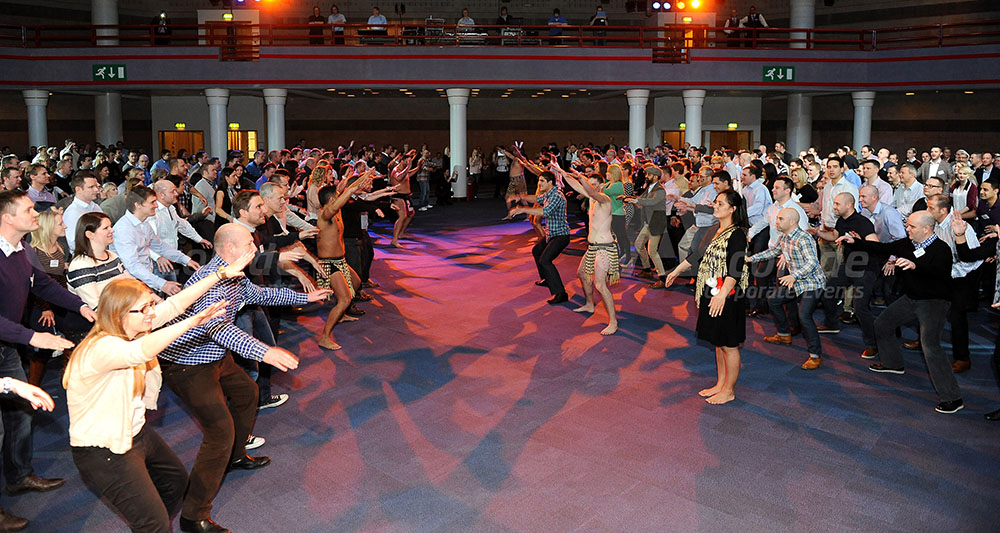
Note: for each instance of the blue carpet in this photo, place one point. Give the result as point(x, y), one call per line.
point(461, 401)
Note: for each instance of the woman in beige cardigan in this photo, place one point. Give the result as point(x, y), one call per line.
point(111, 379)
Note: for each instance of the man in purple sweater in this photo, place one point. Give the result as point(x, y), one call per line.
point(18, 277)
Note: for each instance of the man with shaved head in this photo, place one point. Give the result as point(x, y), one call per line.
point(854, 270)
point(800, 285)
point(219, 394)
point(923, 264)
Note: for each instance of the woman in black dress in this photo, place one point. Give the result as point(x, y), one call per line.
point(719, 294)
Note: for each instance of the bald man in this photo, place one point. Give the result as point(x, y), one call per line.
point(854, 269)
point(923, 264)
point(800, 284)
point(219, 394)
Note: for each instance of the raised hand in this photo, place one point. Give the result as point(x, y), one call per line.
point(235, 270)
point(210, 313)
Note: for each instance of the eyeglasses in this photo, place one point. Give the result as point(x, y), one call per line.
point(144, 310)
point(930, 186)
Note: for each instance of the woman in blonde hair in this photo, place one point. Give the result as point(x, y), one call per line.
point(53, 259)
point(615, 189)
point(111, 379)
point(317, 180)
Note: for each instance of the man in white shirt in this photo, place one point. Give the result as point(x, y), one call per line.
point(869, 170)
point(937, 166)
point(828, 217)
point(909, 191)
point(757, 199)
point(86, 190)
point(167, 224)
point(964, 279)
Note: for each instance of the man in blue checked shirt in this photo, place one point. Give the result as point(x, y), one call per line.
point(803, 284)
point(197, 368)
point(556, 233)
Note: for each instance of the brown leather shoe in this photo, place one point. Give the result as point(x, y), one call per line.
point(869, 353)
point(658, 285)
point(9, 522)
point(812, 363)
point(960, 366)
point(647, 274)
point(912, 345)
point(794, 330)
point(778, 339)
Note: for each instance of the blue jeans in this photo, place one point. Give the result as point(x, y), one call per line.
point(15, 428)
point(425, 192)
point(253, 320)
point(806, 304)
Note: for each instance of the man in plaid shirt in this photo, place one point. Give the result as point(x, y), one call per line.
point(802, 285)
point(556, 233)
point(198, 369)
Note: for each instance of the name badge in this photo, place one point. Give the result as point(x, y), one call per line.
point(918, 253)
point(53, 263)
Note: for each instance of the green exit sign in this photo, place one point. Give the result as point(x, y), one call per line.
point(779, 74)
point(110, 73)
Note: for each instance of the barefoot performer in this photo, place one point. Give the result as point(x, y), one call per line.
point(722, 278)
point(399, 179)
point(599, 267)
point(330, 245)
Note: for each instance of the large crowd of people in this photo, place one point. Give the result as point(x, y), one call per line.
point(138, 273)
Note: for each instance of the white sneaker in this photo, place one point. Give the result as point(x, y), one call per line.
point(254, 442)
point(274, 401)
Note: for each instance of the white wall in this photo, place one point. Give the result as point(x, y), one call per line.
point(717, 113)
point(193, 111)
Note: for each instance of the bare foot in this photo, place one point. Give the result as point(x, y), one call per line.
point(395, 244)
point(705, 393)
point(348, 318)
point(327, 342)
point(585, 308)
point(508, 217)
point(610, 330)
point(721, 398)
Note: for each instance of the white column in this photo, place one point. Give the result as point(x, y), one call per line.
point(38, 129)
point(218, 138)
point(105, 12)
point(108, 117)
point(800, 122)
point(275, 101)
point(802, 15)
point(863, 102)
point(637, 100)
point(458, 100)
point(694, 101)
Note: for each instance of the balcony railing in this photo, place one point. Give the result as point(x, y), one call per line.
point(240, 36)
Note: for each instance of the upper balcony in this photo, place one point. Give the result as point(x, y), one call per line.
point(249, 55)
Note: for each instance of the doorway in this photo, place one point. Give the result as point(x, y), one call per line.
point(674, 138)
point(192, 141)
point(734, 140)
point(244, 141)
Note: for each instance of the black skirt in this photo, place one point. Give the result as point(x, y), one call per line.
point(728, 329)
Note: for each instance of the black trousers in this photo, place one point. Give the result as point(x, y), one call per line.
point(359, 254)
point(545, 252)
point(145, 484)
point(223, 400)
point(619, 227)
point(965, 294)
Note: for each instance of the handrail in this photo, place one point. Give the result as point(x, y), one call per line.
point(688, 36)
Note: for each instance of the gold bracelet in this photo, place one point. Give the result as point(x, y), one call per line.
point(219, 273)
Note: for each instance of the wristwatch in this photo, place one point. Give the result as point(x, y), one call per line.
point(8, 385)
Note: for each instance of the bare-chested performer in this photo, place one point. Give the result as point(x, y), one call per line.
point(399, 178)
point(330, 246)
point(599, 267)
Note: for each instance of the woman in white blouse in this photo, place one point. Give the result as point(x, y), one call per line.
point(111, 379)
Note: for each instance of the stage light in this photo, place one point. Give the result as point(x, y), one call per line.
point(695, 4)
point(681, 5)
point(656, 6)
point(228, 17)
